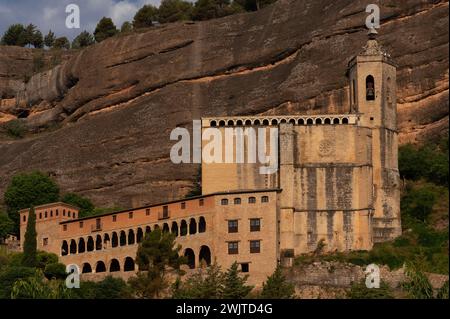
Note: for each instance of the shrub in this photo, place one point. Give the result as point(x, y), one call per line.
point(15, 129)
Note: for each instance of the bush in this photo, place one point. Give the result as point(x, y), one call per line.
point(15, 129)
point(108, 288)
point(9, 275)
point(55, 271)
point(360, 291)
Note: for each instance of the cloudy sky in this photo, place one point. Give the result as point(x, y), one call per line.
point(51, 14)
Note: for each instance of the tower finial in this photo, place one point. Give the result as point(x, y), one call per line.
point(372, 33)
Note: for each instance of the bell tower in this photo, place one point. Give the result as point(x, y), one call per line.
point(372, 82)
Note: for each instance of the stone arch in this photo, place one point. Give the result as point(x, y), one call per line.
point(128, 264)
point(205, 255)
point(336, 121)
point(114, 265)
point(131, 238)
point(222, 123)
point(257, 122)
point(81, 245)
point(283, 121)
point(309, 122)
point(114, 240)
point(192, 226)
point(370, 88)
point(165, 228)
point(345, 120)
point(301, 122)
point(248, 122)
point(156, 227)
point(106, 241)
point(230, 123)
point(274, 122)
point(98, 243)
point(213, 123)
point(139, 235)
point(190, 256)
point(201, 225)
point(123, 238)
point(265, 122)
point(86, 269)
point(327, 121)
point(148, 230)
point(239, 122)
point(292, 121)
point(183, 228)
point(64, 248)
point(174, 228)
point(100, 266)
point(73, 246)
point(90, 244)
point(319, 121)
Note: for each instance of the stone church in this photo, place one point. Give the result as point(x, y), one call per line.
point(337, 187)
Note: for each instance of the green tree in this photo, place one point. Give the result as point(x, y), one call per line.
point(84, 39)
point(49, 39)
point(15, 129)
point(145, 16)
point(108, 288)
point(418, 202)
point(276, 287)
point(37, 40)
point(61, 43)
point(234, 284)
point(105, 28)
point(155, 254)
point(126, 27)
point(360, 291)
point(84, 204)
point(30, 243)
point(174, 10)
point(13, 35)
point(26, 190)
point(9, 275)
point(6, 226)
point(37, 287)
point(417, 285)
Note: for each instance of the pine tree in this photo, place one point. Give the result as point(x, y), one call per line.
point(49, 39)
point(104, 29)
point(30, 243)
point(276, 287)
point(13, 35)
point(234, 284)
point(84, 39)
point(145, 16)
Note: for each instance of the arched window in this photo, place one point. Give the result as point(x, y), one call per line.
point(86, 268)
point(98, 242)
point(239, 123)
point(148, 230)
point(292, 121)
point(201, 225)
point(90, 244)
point(139, 235)
point(114, 266)
point(370, 88)
point(283, 121)
point(252, 200)
point(257, 122)
point(265, 122)
point(100, 267)
point(73, 247)
point(213, 124)
point(129, 264)
point(190, 256)
point(345, 120)
point(327, 121)
point(301, 122)
point(222, 123)
point(319, 121)
point(165, 228)
point(274, 122)
point(64, 248)
point(248, 122)
point(174, 228)
point(309, 122)
point(106, 240)
point(237, 201)
point(81, 245)
point(192, 226)
point(224, 201)
point(131, 237)
point(183, 228)
point(114, 240)
point(205, 255)
point(336, 121)
point(123, 238)
point(230, 123)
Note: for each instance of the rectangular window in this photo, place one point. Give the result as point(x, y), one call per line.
point(45, 214)
point(224, 201)
point(81, 224)
point(265, 199)
point(24, 218)
point(255, 224)
point(45, 242)
point(201, 202)
point(130, 215)
point(57, 213)
point(232, 226)
point(252, 200)
point(51, 213)
point(64, 227)
point(114, 218)
point(40, 215)
point(233, 248)
point(147, 212)
point(183, 205)
point(237, 201)
point(165, 212)
point(255, 246)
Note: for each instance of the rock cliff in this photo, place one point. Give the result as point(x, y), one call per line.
point(100, 120)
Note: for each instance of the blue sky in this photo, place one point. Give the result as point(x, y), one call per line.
point(50, 14)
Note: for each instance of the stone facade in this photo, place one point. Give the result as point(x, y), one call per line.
point(336, 183)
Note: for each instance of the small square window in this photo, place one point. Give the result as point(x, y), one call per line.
point(251, 200)
point(130, 215)
point(245, 267)
point(183, 205)
point(224, 201)
point(201, 202)
point(233, 248)
point(114, 218)
point(237, 201)
point(232, 226)
point(147, 212)
point(255, 246)
point(64, 227)
point(265, 199)
point(81, 224)
point(45, 242)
